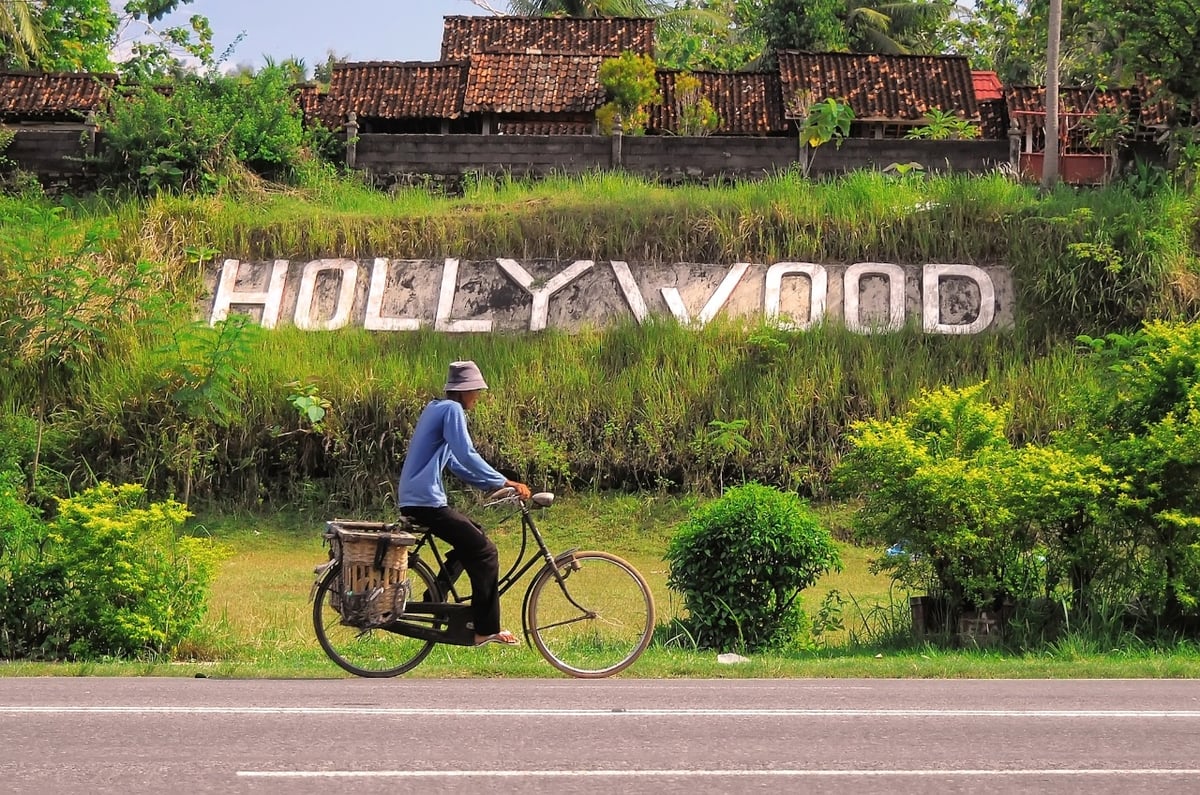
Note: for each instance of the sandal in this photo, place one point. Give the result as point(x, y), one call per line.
point(503, 637)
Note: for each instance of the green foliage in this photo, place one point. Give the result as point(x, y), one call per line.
point(50, 333)
point(694, 110)
point(928, 479)
point(822, 122)
point(79, 35)
point(631, 85)
point(709, 34)
point(201, 368)
point(308, 401)
point(811, 26)
point(1159, 39)
point(109, 576)
point(197, 135)
point(944, 126)
point(825, 121)
point(1143, 420)
point(740, 563)
point(982, 524)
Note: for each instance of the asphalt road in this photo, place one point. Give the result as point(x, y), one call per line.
point(98, 735)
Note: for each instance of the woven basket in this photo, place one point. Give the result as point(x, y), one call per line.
point(374, 581)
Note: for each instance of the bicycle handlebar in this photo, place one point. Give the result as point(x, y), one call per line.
point(507, 494)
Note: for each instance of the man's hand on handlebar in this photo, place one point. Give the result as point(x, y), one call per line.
point(522, 490)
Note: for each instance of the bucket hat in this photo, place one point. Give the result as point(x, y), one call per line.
point(464, 377)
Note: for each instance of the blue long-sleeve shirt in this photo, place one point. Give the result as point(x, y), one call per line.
point(441, 440)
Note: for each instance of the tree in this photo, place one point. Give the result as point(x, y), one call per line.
point(1161, 40)
point(21, 37)
point(709, 34)
point(79, 35)
point(588, 8)
point(853, 25)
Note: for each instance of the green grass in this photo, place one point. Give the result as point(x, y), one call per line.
point(259, 620)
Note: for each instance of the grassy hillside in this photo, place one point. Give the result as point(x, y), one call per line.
point(132, 391)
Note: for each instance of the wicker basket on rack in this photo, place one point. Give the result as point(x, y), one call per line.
point(373, 587)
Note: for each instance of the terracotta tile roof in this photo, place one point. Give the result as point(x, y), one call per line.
point(463, 37)
point(1031, 100)
point(312, 102)
point(546, 128)
point(880, 87)
point(37, 95)
point(748, 103)
point(987, 86)
point(509, 83)
point(394, 90)
point(993, 119)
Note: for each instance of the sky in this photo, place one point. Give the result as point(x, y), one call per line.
point(356, 30)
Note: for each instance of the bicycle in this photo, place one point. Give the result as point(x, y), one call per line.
point(589, 613)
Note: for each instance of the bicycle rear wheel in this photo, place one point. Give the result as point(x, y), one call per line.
point(594, 623)
point(370, 652)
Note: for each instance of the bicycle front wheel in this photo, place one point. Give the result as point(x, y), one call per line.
point(590, 615)
point(370, 652)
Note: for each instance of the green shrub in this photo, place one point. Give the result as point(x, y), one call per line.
point(932, 479)
point(1143, 420)
point(109, 576)
point(740, 563)
point(982, 524)
point(196, 134)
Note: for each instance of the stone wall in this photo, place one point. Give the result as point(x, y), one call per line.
point(56, 154)
point(397, 158)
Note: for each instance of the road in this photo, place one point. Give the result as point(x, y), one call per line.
point(98, 735)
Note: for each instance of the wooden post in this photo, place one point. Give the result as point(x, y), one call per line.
point(351, 140)
point(617, 136)
point(1014, 147)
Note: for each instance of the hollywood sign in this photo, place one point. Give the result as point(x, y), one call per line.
point(504, 294)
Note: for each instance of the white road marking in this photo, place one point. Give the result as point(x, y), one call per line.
point(618, 712)
point(428, 774)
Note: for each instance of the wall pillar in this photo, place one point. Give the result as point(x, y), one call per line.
point(617, 136)
point(351, 140)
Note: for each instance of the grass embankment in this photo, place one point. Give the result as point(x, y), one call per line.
point(627, 408)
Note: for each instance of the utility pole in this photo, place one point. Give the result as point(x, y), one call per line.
point(1050, 157)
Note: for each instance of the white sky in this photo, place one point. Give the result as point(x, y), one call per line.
point(358, 30)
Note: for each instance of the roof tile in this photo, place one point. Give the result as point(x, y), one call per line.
point(747, 103)
point(37, 95)
point(510, 83)
point(880, 87)
point(394, 90)
point(463, 37)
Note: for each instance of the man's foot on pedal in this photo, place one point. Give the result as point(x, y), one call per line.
point(503, 637)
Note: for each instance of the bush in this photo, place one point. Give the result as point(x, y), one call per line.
point(981, 523)
point(197, 132)
point(109, 576)
point(740, 563)
point(1143, 420)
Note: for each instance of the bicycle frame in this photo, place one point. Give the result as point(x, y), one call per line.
point(455, 613)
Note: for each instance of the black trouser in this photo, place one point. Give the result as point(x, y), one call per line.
point(472, 551)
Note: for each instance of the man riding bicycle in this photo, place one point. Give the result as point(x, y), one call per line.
point(441, 440)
